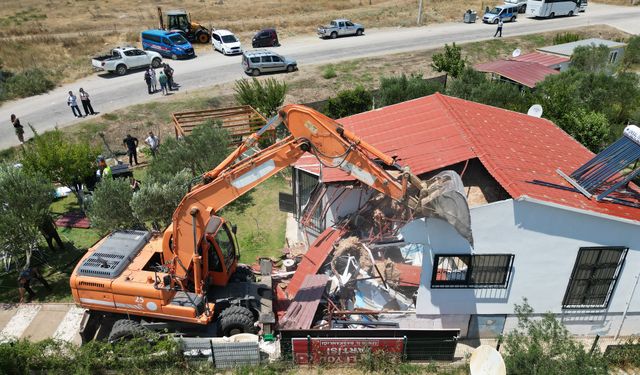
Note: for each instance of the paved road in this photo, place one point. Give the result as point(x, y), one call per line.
point(110, 93)
point(40, 321)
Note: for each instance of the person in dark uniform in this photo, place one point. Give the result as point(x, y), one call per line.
point(18, 128)
point(132, 148)
point(50, 233)
point(24, 282)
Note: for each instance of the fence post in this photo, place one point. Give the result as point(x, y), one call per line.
point(594, 345)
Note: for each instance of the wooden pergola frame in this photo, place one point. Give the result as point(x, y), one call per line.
point(240, 121)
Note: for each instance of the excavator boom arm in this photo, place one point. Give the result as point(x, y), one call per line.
point(333, 146)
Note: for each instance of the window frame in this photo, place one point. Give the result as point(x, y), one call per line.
point(578, 267)
point(467, 282)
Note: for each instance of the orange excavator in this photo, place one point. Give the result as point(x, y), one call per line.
point(189, 278)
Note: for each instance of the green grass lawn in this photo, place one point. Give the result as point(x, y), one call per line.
point(261, 227)
point(56, 266)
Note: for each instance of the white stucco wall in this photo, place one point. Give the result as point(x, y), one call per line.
point(545, 241)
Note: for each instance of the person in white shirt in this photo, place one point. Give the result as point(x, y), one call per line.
point(154, 79)
point(86, 102)
point(153, 142)
point(499, 29)
point(72, 101)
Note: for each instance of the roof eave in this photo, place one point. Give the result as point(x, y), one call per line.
point(526, 198)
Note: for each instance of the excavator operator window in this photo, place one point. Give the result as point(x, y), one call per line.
point(224, 240)
point(215, 264)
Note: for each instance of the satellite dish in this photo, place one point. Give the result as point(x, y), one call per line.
point(535, 111)
point(485, 360)
point(516, 52)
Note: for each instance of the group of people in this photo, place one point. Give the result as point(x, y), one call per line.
point(72, 101)
point(165, 78)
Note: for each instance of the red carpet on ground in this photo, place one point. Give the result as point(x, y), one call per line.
point(74, 219)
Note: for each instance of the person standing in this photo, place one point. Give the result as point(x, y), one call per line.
point(72, 101)
point(163, 84)
point(152, 140)
point(168, 71)
point(147, 79)
point(132, 146)
point(499, 30)
point(86, 102)
point(154, 79)
point(18, 128)
point(50, 233)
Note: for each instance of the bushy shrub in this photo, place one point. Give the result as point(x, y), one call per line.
point(109, 207)
point(591, 58)
point(474, 86)
point(544, 346)
point(329, 72)
point(28, 83)
point(349, 102)
point(202, 150)
point(265, 96)
point(399, 89)
point(156, 200)
point(562, 38)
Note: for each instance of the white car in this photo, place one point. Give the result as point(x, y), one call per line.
point(225, 42)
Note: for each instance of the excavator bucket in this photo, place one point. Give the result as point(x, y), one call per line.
point(443, 197)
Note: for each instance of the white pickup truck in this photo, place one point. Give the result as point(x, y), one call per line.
point(340, 27)
point(122, 59)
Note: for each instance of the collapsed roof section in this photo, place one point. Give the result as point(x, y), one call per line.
point(437, 131)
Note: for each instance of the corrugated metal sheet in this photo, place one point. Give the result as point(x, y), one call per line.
point(438, 131)
point(314, 258)
point(304, 305)
point(525, 73)
point(545, 59)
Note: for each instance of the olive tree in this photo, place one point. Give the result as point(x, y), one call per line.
point(109, 207)
point(157, 198)
point(59, 158)
point(24, 205)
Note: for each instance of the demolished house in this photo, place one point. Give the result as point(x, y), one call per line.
point(535, 236)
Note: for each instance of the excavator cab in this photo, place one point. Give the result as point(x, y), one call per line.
point(219, 251)
point(178, 20)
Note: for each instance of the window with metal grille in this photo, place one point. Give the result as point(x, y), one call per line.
point(594, 277)
point(471, 271)
point(307, 184)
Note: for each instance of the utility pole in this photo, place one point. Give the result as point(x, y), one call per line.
point(419, 12)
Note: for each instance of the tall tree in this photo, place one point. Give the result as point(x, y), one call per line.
point(62, 160)
point(449, 61)
point(24, 205)
point(591, 58)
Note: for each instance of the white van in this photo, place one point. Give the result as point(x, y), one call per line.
point(522, 4)
point(225, 42)
point(506, 12)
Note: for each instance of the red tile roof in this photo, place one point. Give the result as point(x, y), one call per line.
point(438, 131)
point(526, 73)
point(545, 59)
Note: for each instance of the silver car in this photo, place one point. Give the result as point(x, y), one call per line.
point(263, 61)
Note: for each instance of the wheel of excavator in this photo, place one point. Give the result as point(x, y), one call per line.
point(243, 274)
point(236, 310)
point(125, 329)
point(235, 323)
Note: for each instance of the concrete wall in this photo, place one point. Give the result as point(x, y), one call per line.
point(545, 241)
